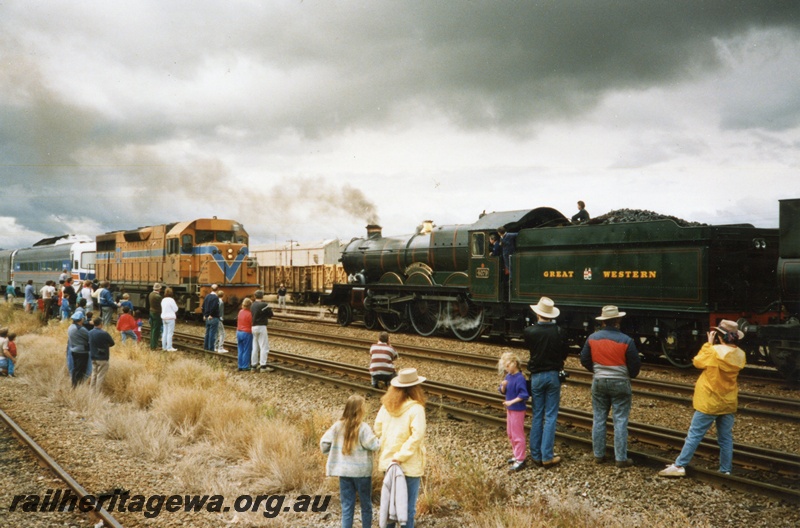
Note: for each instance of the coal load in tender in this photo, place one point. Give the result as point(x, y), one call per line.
point(620, 216)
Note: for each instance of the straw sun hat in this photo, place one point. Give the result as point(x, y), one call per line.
point(407, 377)
point(610, 312)
point(546, 308)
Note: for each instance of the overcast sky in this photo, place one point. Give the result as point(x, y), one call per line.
point(304, 120)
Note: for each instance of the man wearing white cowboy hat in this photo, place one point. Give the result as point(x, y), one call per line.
point(548, 348)
point(715, 397)
point(614, 360)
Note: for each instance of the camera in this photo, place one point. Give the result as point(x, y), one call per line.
point(562, 376)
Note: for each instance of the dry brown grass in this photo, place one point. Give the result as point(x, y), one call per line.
point(455, 481)
point(18, 321)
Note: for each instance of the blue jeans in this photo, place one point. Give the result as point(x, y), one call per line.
point(210, 342)
point(348, 488)
point(244, 344)
point(701, 423)
point(128, 334)
point(545, 398)
point(167, 331)
point(412, 485)
point(611, 393)
point(107, 313)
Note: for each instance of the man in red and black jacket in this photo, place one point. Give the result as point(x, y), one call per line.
point(614, 360)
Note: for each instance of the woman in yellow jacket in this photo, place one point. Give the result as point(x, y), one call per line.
point(400, 425)
point(715, 397)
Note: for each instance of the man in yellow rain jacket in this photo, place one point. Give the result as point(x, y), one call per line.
point(715, 397)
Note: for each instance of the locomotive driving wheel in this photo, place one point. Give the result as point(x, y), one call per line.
point(425, 316)
point(465, 319)
point(392, 321)
point(370, 320)
point(680, 358)
point(344, 314)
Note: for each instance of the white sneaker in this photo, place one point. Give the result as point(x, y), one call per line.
point(172, 350)
point(672, 471)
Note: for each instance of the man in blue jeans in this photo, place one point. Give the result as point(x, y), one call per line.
point(614, 360)
point(211, 318)
point(548, 348)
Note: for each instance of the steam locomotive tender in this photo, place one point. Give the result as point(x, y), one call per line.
point(674, 282)
point(186, 256)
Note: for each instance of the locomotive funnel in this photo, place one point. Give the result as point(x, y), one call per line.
point(374, 231)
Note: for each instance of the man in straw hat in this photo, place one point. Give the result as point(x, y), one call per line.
point(548, 348)
point(715, 397)
point(614, 360)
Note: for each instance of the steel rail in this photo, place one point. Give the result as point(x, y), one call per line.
point(56, 468)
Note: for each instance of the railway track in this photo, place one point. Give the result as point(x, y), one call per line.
point(470, 404)
point(749, 403)
point(100, 515)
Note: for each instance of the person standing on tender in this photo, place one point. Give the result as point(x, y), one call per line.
point(716, 397)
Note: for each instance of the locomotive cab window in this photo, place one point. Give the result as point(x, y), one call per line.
point(204, 237)
point(186, 244)
point(478, 244)
point(173, 246)
point(225, 236)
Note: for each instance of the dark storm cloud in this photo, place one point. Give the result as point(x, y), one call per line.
point(502, 64)
point(172, 79)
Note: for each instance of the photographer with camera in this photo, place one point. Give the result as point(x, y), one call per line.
point(548, 347)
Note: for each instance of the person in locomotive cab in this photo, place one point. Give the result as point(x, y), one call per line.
point(211, 318)
point(282, 297)
point(613, 358)
point(154, 301)
point(508, 243)
point(715, 397)
point(582, 216)
point(548, 347)
point(495, 248)
point(261, 314)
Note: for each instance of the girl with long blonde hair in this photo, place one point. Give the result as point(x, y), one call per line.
point(349, 444)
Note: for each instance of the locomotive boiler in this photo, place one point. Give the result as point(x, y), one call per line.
point(674, 281)
point(186, 256)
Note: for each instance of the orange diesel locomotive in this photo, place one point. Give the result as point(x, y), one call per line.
point(186, 256)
